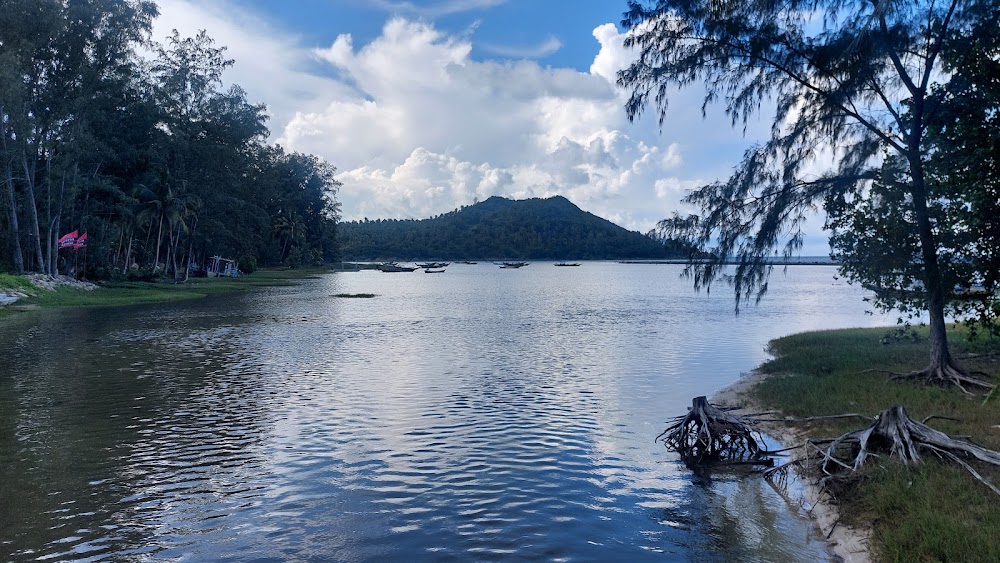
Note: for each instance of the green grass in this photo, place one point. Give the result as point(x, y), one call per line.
point(934, 512)
point(127, 293)
point(16, 283)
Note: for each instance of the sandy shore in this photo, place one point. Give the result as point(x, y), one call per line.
point(849, 544)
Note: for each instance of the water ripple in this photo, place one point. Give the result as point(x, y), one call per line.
point(472, 417)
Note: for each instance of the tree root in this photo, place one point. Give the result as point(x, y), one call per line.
point(946, 376)
point(709, 434)
point(894, 434)
point(712, 435)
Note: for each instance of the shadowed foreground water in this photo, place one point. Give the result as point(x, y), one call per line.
point(479, 414)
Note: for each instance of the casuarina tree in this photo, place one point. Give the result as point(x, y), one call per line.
point(854, 88)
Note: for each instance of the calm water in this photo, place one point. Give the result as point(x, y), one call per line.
point(479, 414)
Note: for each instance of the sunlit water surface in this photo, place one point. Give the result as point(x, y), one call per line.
point(479, 414)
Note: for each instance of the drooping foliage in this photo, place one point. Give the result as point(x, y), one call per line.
point(858, 89)
point(160, 163)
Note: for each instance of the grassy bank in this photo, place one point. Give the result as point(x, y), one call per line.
point(127, 293)
point(930, 513)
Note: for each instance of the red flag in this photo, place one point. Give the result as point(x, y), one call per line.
point(68, 240)
point(81, 242)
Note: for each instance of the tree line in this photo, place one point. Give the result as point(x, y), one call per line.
point(151, 155)
point(500, 228)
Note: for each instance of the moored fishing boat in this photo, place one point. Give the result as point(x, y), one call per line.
point(394, 267)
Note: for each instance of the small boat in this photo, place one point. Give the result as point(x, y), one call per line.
point(430, 271)
point(566, 264)
point(513, 264)
point(432, 264)
point(393, 267)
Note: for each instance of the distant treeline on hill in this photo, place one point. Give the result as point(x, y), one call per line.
point(535, 229)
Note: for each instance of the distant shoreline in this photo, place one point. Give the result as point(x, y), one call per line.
point(780, 262)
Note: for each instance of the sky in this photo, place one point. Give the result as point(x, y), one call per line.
point(424, 106)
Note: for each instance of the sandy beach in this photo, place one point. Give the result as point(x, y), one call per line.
point(849, 544)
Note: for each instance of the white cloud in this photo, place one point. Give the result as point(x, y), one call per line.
point(434, 9)
point(432, 129)
point(268, 62)
point(543, 49)
point(416, 127)
point(613, 55)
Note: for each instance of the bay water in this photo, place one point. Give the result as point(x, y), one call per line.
point(479, 414)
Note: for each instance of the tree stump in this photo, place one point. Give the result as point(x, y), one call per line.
point(895, 434)
point(708, 434)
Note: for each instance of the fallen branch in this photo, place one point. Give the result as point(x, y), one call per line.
point(939, 417)
point(814, 418)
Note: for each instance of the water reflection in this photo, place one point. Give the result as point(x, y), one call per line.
point(480, 414)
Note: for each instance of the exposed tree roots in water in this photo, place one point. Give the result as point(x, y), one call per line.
point(709, 435)
point(946, 376)
point(893, 434)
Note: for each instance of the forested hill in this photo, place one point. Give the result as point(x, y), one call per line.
point(499, 228)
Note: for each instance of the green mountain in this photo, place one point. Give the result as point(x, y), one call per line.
point(500, 228)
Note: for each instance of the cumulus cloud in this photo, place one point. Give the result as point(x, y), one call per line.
point(431, 129)
point(417, 127)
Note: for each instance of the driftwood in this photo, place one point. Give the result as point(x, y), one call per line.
point(709, 434)
point(892, 434)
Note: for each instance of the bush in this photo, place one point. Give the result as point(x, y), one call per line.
point(247, 264)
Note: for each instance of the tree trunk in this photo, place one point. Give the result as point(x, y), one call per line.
point(187, 259)
point(940, 355)
point(175, 239)
point(128, 253)
point(118, 250)
point(29, 181)
point(52, 244)
point(13, 229)
point(159, 240)
point(942, 369)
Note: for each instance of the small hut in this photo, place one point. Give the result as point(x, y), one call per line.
point(219, 266)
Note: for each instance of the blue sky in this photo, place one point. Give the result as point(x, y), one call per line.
point(555, 33)
point(425, 106)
